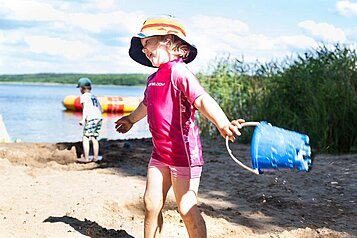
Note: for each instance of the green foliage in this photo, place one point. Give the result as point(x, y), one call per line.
point(315, 94)
point(234, 89)
point(97, 79)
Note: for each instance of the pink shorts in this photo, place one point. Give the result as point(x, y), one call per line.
point(181, 172)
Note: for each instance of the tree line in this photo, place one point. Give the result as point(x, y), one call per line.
point(97, 79)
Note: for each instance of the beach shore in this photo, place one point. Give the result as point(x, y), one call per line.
point(45, 193)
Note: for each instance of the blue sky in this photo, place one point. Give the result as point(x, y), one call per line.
point(92, 36)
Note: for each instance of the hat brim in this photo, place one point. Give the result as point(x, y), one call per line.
point(137, 54)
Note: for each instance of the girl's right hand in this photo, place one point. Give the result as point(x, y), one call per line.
point(231, 129)
point(123, 124)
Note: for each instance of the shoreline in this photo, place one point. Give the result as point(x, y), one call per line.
point(65, 84)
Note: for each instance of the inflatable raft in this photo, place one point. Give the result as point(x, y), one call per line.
point(109, 103)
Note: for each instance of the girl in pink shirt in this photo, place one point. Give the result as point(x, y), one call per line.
point(171, 98)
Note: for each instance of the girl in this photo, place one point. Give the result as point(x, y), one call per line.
point(171, 97)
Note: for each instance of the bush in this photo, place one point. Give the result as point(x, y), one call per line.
point(237, 87)
point(315, 94)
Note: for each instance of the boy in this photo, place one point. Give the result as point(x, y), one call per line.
point(91, 119)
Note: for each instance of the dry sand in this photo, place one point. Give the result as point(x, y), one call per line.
point(44, 193)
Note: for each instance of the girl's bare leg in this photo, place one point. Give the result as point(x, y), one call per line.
point(158, 184)
point(185, 190)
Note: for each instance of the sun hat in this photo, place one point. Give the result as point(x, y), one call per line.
point(84, 82)
point(159, 26)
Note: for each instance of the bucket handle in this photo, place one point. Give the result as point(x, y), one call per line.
point(255, 171)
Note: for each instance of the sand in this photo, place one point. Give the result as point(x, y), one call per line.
point(44, 193)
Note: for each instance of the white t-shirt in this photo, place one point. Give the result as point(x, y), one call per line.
point(91, 107)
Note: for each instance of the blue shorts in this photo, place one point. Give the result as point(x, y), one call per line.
point(92, 127)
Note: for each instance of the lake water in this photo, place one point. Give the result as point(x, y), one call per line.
point(35, 113)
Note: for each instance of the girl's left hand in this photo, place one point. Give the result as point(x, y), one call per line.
point(123, 124)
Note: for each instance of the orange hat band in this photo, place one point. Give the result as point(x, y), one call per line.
point(162, 27)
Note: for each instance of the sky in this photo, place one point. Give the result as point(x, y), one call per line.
point(93, 36)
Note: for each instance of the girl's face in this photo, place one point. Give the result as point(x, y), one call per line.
point(155, 51)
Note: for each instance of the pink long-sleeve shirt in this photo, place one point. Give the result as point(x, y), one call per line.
point(169, 96)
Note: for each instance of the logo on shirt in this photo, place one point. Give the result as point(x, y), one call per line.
point(156, 84)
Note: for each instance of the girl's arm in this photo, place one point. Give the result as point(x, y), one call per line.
point(125, 123)
point(213, 112)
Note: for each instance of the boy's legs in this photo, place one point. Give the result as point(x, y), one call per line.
point(95, 148)
point(97, 125)
point(86, 147)
point(85, 142)
point(185, 190)
point(158, 184)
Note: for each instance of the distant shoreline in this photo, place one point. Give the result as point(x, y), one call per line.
point(70, 79)
point(69, 84)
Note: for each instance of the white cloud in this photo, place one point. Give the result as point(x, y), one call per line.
point(296, 41)
point(346, 8)
point(216, 36)
point(2, 37)
point(67, 36)
point(256, 41)
point(324, 31)
point(24, 65)
point(10, 38)
point(211, 25)
point(106, 5)
point(234, 38)
point(24, 10)
point(93, 36)
point(351, 33)
point(71, 50)
point(42, 11)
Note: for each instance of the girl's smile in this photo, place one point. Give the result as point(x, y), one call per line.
point(155, 51)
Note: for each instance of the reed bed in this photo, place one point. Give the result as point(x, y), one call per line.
point(314, 93)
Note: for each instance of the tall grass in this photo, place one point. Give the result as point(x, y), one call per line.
point(237, 87)
point(315, 93)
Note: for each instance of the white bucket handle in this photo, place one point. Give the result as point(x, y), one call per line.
point(255, 171)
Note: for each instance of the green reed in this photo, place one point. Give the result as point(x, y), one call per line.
point(314, 93)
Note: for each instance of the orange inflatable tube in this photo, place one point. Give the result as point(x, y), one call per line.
point(109, 103)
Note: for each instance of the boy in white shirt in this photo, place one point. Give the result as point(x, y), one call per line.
point(92, 120)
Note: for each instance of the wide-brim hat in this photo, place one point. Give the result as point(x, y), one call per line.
point(159, 26)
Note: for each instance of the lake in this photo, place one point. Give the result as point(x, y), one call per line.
point(35, 113)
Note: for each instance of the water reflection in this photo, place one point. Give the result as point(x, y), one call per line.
point(139, 130)
point(35, 113)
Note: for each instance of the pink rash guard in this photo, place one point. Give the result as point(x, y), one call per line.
point(169, 96)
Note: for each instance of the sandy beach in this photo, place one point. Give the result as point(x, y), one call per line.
point(45, 193)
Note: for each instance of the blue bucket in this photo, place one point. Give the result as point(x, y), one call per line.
point(274, 148)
